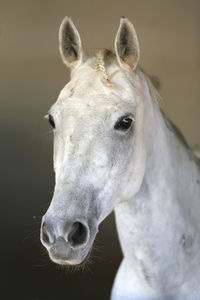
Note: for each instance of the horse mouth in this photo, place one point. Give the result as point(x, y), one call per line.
point(65, 262)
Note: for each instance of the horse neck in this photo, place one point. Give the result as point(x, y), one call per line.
point(160, 225)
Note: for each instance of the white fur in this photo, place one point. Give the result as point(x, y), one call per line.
point(148, 176)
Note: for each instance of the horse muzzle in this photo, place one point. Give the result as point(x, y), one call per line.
point(67, 243)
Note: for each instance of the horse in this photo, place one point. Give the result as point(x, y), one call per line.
point(115, 149)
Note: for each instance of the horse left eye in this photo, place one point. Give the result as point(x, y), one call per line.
point(124, 123)
point(51, 121)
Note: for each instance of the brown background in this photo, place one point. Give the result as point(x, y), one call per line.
point(31, 76)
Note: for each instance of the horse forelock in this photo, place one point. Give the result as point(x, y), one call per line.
point(105, 57)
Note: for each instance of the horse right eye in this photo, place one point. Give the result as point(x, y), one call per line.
point(123, 123)
point(51, 121)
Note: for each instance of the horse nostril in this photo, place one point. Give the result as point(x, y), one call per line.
point(46, 237)
point(78, 234)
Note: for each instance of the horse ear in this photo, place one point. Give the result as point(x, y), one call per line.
point(70, 43)
point(127, 45)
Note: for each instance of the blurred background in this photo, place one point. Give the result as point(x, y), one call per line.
point(31, 76)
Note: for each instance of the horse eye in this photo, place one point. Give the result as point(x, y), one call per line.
point(124, 123)
point(51, 121)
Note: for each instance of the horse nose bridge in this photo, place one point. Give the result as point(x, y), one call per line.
point(70, 199)
point(67, 210)
point(69, 169)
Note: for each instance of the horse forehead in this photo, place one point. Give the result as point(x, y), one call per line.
point(87, 99)
point(82, 92)
point(86, 78)
point(88, 107)
point(88, 91)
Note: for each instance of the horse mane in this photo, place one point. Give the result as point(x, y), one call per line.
point(154, 86)
point(104, 57)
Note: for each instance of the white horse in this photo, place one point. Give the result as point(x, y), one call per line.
point(115, 149)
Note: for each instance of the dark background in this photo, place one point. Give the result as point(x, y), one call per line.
point(31, 76)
